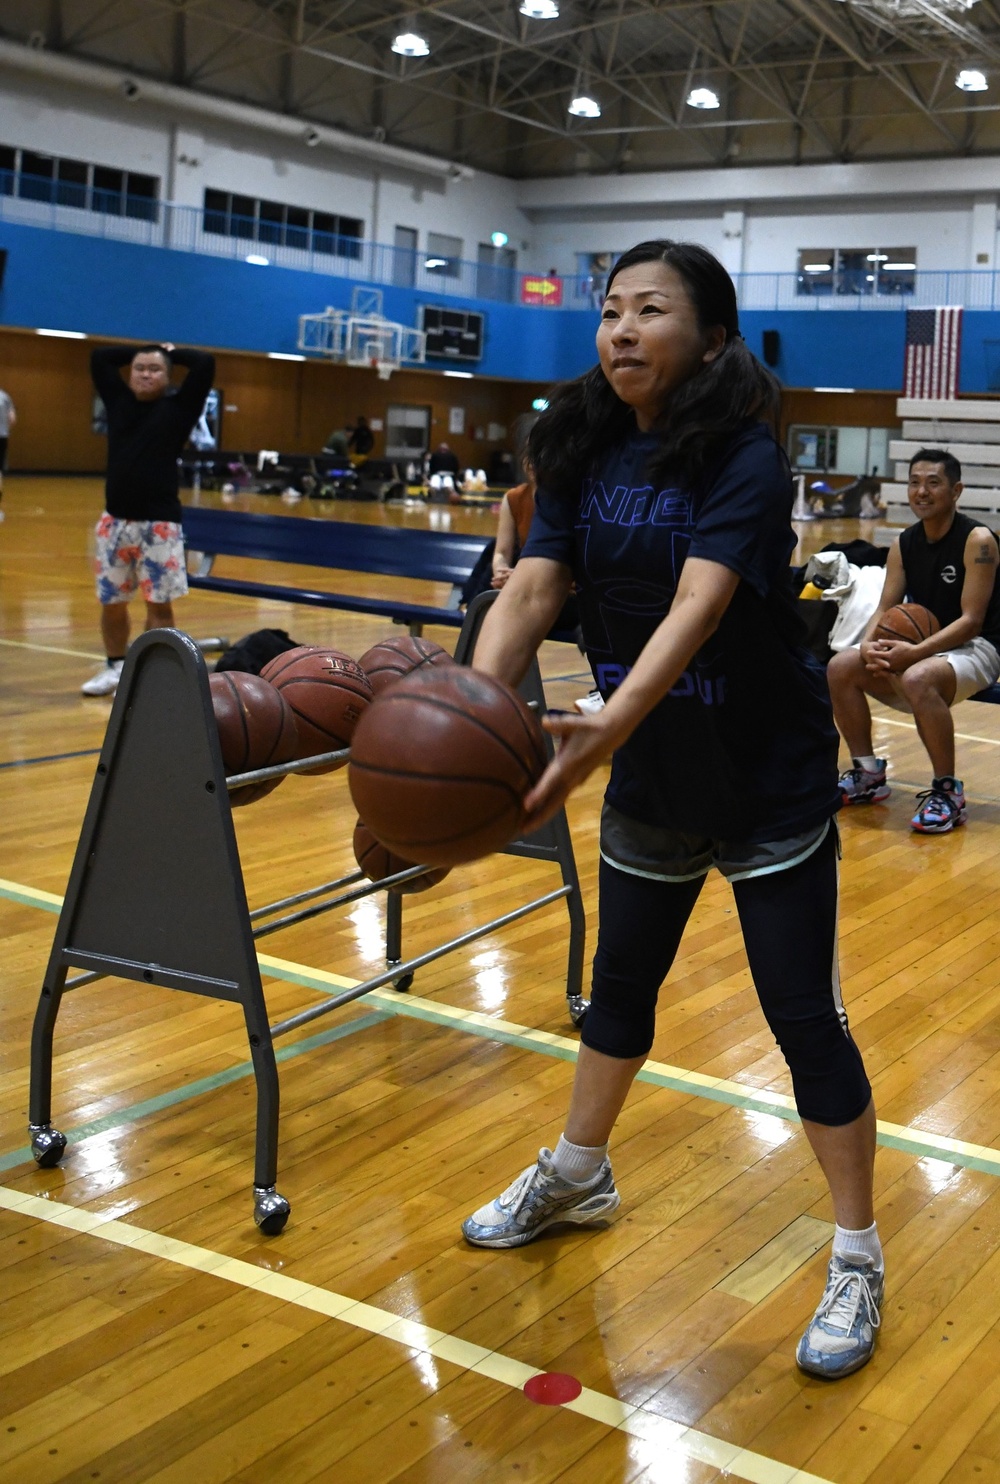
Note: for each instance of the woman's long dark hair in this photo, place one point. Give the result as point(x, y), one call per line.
point(585, 418)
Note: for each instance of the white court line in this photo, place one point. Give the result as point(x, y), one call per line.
point(665, 1436)
point(891, 721)
point(80, 654)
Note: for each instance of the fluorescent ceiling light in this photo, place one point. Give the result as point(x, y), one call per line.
point(280, 355)
point(833, 389)
point(583, 107)
point(409, 44)
point(435, 262)
point(465, 375)
point(256, 258)
point(499, 239)
point(63, 334)
point(702, 98)
point(540, 10)
point(817, 267)
point(971, 80)
point(876, 257)
point(900, 267)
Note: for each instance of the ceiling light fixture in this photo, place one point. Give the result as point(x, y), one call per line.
point(435, 262)
point(63, 334)
point(540, 10)
point(971, 80)
point(282, 355)
point(499, 239)
point(898, 267)
point(582, 107)
point(409, 44)
point(702, 98)
point(257, 259)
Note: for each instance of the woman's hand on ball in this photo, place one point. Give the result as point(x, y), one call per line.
point(582, 744)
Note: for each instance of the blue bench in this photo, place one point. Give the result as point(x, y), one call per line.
point(427, 556)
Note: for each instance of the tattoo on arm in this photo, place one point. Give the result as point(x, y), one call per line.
point(987, 555)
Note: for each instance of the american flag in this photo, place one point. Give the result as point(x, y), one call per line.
point(933, 346)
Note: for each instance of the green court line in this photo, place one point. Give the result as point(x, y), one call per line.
point(134, 1111)
point(677, 1079)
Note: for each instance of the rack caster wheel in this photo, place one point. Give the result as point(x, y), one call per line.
point(578, 1008)
point(403, 984)
point(47, 1145)
point(270, 1210)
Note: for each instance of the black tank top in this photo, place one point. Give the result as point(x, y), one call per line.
point(935, 573)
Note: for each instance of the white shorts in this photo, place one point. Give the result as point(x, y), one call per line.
point(976, 665)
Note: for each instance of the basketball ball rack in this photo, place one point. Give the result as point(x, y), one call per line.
point(156, 892)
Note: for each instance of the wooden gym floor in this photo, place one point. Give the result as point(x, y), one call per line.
point(150, 1333)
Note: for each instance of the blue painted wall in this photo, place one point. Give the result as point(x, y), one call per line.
point(64, 281)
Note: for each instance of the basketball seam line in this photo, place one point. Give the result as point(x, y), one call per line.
point(465, 716)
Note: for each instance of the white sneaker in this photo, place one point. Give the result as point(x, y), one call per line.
point(589, 705)
point(105, 682)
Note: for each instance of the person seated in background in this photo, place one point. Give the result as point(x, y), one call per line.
point(361, 439)
point(443, 461)
point(516, 509)
point(948, 563)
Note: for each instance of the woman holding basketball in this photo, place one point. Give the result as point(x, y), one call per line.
point(663, 496)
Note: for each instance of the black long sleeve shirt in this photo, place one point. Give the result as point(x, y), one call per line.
point(145, 439)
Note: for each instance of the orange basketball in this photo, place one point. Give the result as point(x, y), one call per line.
point(441, 762)
point(328, 693)
point(390, 659)
point(378, 863)
point(256, 729)
point(907, 622)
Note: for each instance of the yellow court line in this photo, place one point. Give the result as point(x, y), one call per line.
point(668, 1438)
point(79, 654)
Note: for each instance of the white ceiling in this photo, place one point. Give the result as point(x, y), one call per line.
point(798, 80)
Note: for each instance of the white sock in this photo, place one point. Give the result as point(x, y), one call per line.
point(576, 1163)
point(870, 764)
point(850, 1245)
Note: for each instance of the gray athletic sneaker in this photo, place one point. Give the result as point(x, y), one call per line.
point(840, 1337)
point(540, 1198)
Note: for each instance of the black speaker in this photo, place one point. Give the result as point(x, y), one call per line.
point(772, 347)
point(3, 264)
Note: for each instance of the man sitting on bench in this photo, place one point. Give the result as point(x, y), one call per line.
point(947, 562)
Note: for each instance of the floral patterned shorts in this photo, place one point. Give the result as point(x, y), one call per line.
point(143, 554)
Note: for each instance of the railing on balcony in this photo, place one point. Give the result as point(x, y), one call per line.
point(69, 207)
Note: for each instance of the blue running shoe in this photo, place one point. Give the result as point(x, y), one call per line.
point(858, 786)
point(540, 1198)
point(942, 807)
point(840, 1337)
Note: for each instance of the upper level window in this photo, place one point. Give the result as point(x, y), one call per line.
point(444, 255)
point(37, 177)
point(857, 270)
point(273, 222)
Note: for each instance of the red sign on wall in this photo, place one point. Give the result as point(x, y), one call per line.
point(538, 290)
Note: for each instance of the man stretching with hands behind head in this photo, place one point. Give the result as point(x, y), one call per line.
point(139, 542)
point(948, 563)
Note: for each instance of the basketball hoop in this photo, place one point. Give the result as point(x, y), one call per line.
point(384, 368)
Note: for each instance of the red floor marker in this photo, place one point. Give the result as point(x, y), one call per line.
point(552, 1388)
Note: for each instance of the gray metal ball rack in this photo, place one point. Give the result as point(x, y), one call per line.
point(156, 892)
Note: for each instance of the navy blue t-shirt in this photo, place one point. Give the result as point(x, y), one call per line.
point(744, 746)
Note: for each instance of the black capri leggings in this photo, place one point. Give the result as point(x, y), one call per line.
point(789, 922)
